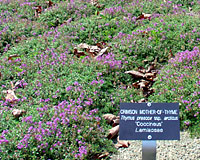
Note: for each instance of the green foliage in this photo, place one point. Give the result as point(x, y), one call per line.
point(179, 81)
point(64, 96)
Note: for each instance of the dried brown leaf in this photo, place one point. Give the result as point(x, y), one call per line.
point(94, 2)
point(115, 122)
point(113, 132)
point(100, 6)
point(102, 52)
point(83, 46)
point(142, 100)
point(145, 61)
point(78, 53)
point(136, 85)
point(144, 16)
point(142, 84)
point(135, 74)
point(121, 143)
point(12, 56)
point(50, 3)
point(132, 101)
point(92, 54)
point(10, 95)
point(150, 68)
point(12, 85)
point(94, 49)
point(103, 155)
point(149, 76)
point(109, 117)
point(170, 54)
point(152, 90)
point(99, 45)
point(141, 69)
point(17, 113)
point(38, 10)
point(103, 43)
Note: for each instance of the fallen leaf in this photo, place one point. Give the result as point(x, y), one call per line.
point(103, 155)
point(144, 16)
point(141, 69)
point(103, 43)
point(12, 85)
point(102, 52)
point(144, 33)
point(115, 122)
point(136, 85)
point(150, 68)
point(113, 132)
point(78, 53)
point(109, 117)
point(136, 74)
point(68, 21)
point(91, 54)
point(12, 56)
point(38, 10)
point(83, 46)
point(143, 84)
point(50, 3)
point(132, 101)
point(10, 95)
point(121, 143)
point(152, 90)
point(100, 6)
point(170, 54)
point(142, 100)
point(150, 76)
point(17, 113)
point(147, 92)
point(94, 49)
point(94, 2)
point(100, 45)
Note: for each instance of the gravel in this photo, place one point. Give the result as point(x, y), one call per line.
point(186, 149)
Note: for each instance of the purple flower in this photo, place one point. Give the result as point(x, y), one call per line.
point(3, 141)
point(101, 81)
point(187, 122)
point(30, 129)
point(69, 88)
point(20, 146)
point(54, 96)
point(76, 83)
point(27, 119)
point(83, 150)
point(88, 103)
point(94, 82)
point(82, 28)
